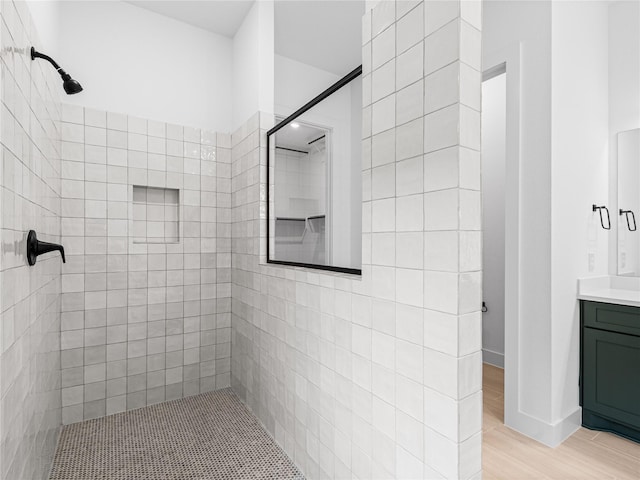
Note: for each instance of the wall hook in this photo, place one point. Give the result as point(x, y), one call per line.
point(599, 209)
point(35, 248)
point(633, 217)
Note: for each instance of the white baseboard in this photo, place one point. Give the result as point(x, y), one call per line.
point(493, 358)
point(551, 435)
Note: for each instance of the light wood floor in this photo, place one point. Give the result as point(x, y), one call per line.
point(587, 454)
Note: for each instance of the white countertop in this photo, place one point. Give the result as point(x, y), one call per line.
point(610, 289)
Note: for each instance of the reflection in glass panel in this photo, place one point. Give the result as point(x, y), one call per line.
point(315, 182)
point(300, 187)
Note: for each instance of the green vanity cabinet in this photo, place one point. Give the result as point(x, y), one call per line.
point(610, 368)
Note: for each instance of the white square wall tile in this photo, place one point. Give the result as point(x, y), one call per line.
point(383, 249)
point(410, 29)
point(409, 289)
point(442, 47)
point(441, 373)
point(384, 215)
point(383, 282)
point(471, 12)
point(383, 81)
point(383, 182)
point(409, 139)
point(470, 333)
point(409, 250)
point(470, 45)
point(469, 374)
point(470, 292)
point(441, 128)
point(383, 114)
point(470, 86)
point(470, 210)
point(438, 13)
point(383, 47)
point(410, 434)
point(410, 322)
point(409, 66)
point(409, 213)
point(441, 454)
point(441, 251)
point(383, 148)
point(383, 16)
point(441, 170)
point(469, 173)
point(469, 128)
point(441, 291)
point(409, 176)
point(409, 103)
point(442, 88)
point(409, 360)
point(470, 251)
point(441, 414)
point(441, 210)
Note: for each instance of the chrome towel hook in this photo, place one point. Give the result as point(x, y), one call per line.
point(626, 213)
point(599, 209)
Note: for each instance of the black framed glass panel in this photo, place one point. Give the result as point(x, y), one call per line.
point(315, 182)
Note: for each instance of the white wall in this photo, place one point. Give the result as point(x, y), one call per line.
point(493, 217)
point(253, 64)
point(46, 19)
point(134, 61)
point(563, 170)
point(526, 27)
point(579, 178)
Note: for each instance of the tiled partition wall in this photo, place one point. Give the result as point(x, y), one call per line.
point(145, 318)
point(378, 376)
point(30, 296)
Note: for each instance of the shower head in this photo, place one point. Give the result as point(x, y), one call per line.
point(70, 85)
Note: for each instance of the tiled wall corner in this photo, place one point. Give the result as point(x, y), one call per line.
point(378, 376)
point(142, 322)
point(30, 296)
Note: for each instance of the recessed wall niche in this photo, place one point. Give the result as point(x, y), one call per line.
point(156, 216)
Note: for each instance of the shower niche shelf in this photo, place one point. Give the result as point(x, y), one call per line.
point(156, 215)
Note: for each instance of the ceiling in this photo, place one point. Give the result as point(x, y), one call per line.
point(298, 138)
point(323, 33)
point(223, 17)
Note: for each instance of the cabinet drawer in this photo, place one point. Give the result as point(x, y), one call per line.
point(615, 318)
point(611, 376)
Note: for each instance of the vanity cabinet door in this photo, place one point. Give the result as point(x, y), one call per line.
point(611, 375)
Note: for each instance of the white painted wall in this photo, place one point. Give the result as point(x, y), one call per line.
point(624, 99)
point(493, 217)
point(46, 19)
point(563, 170)
point(253, 64)
point(138, 62)
point(579, 178)
point(526, 27)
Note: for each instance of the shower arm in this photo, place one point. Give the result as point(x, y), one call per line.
point(35, 54)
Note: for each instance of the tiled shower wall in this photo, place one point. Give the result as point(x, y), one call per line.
point(145, 315)
point(30, 296)
point(378, 376)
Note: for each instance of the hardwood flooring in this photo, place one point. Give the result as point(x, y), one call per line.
point(587, 454)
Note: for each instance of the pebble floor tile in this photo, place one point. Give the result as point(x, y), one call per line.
point(207, 436)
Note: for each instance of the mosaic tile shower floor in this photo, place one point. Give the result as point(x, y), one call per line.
point(207, 436)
